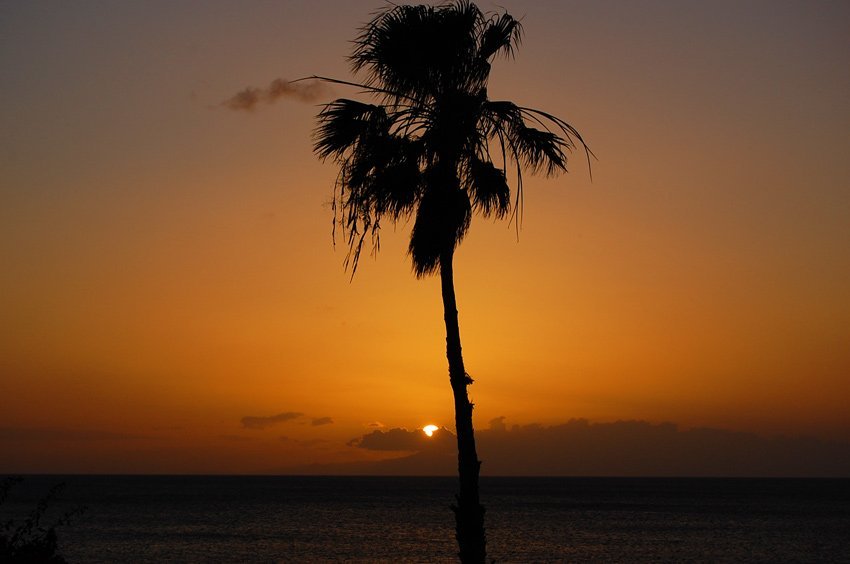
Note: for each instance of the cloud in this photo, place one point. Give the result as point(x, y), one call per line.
point(317, 421)
point(498, 424)
point(621, 448)
point(399, 439)
point(394, 439)
point(640, 448)
point(251, 422)
point(248, 99)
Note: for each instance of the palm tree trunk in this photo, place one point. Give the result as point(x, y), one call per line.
point(469, 513)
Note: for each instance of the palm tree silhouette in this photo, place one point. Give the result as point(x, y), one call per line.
point(425, 149)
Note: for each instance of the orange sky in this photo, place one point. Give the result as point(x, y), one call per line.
point(167, 266)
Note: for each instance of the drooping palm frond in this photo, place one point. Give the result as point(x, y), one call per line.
point(396, 180)
point(488, 188)
point(442, 220)
point(539, 150)
point(379, 169)
point(343, 123)
point(571, 134)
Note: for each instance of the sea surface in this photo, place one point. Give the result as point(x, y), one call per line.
point(385, 519)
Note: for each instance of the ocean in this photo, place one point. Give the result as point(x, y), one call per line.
point(394, 519)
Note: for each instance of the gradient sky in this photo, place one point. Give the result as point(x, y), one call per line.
point(168, 268)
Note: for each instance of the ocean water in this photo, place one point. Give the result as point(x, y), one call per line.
point(385, 519)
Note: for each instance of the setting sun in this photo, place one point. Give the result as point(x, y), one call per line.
point(429, 429)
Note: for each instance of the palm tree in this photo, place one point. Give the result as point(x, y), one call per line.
point(435, 148)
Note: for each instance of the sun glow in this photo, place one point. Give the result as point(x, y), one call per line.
point(429, 429)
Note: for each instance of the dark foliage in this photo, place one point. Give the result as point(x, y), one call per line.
point(30, 541)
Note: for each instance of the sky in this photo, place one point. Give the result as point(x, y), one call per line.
point(172, 300)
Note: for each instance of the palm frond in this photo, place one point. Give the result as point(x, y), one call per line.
point(396, 180)
point(569, 132)
point(488, 187)
point(365, 88)
point(379, 170)
point(540, 150)
point(442, 220)
point(502, 34)
point(343, 123)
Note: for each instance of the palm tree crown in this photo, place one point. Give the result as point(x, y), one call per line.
point(425, 149)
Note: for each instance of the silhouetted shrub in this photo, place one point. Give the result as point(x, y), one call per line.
point(30, 541)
